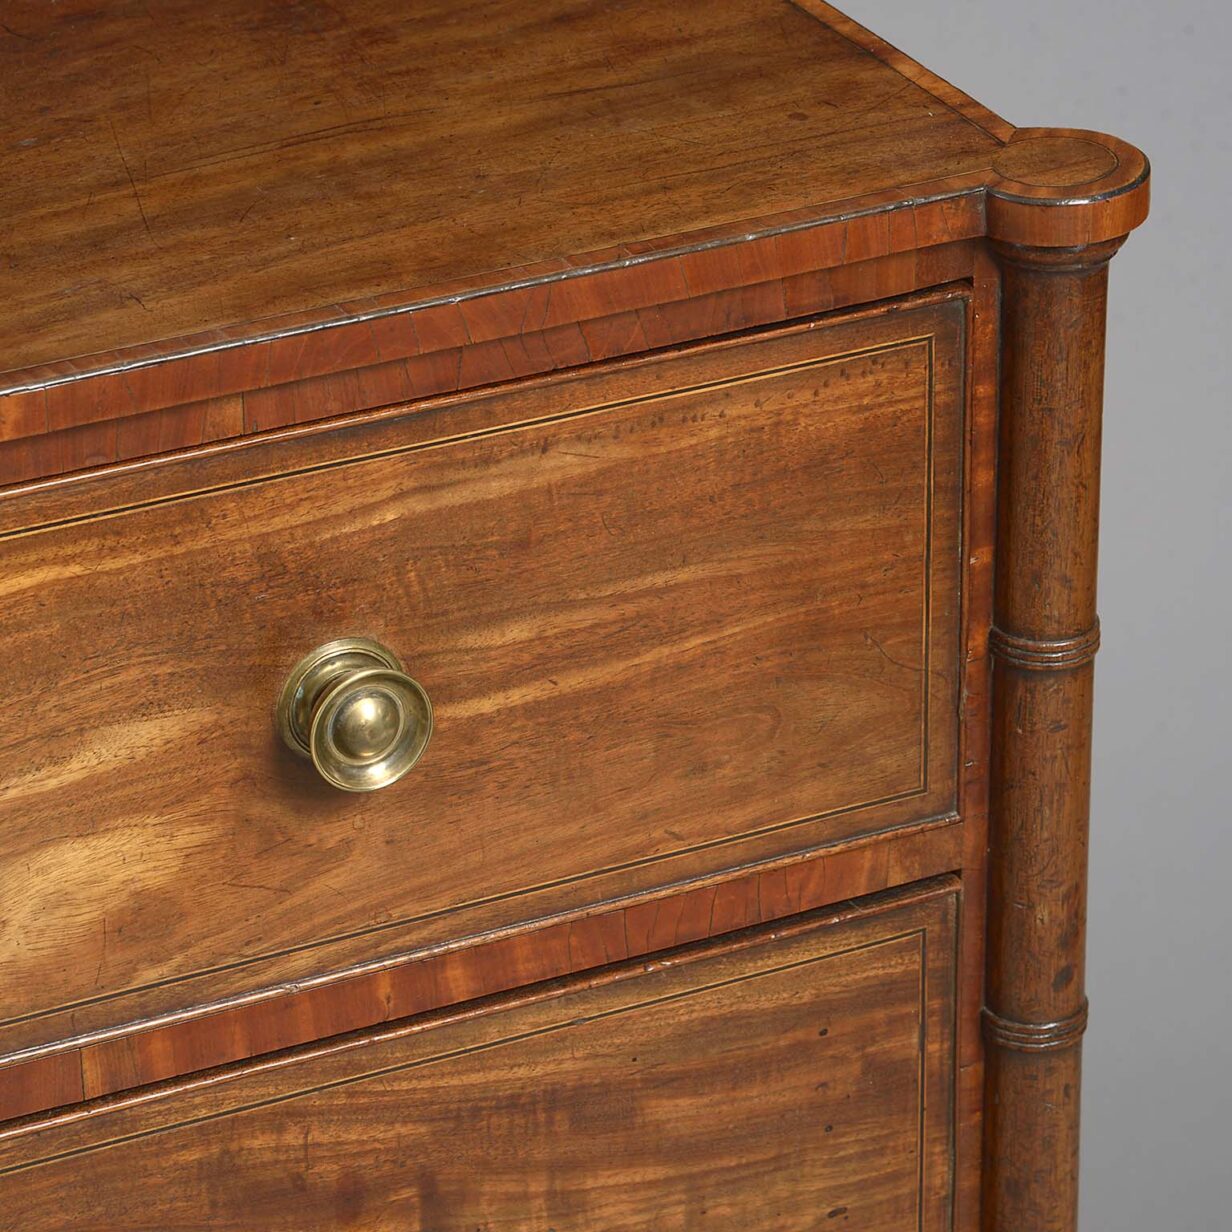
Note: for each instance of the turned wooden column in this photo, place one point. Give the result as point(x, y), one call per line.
point(1059, 210)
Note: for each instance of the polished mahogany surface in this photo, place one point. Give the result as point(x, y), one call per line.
point(187, 167)
point(608, 1102)
point(673, 617)
point(667, 385)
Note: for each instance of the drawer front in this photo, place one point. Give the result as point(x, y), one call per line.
point(778, 1080)
point(673, 616)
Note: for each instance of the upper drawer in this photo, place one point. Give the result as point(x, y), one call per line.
point(673, 616)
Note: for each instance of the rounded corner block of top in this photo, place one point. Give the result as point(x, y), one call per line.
point(1066, 188)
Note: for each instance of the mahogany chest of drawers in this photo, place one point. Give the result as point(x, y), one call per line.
point(547, 562)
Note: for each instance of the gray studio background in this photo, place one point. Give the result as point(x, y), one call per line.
point(1157, 1100)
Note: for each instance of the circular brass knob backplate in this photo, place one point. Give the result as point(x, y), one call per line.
point(351, 708)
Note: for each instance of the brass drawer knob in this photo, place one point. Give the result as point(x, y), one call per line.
point(351, 708)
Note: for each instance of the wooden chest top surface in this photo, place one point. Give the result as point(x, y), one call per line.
point(177, 169)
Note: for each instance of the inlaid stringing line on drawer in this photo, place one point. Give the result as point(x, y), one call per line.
point(21, 532)
point(926, 623)
point(927, 341)
point(917, 934)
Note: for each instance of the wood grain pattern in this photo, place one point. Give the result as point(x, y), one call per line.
point(291, 158)
point(1067, 188)
point(91, 445)
point(1044, 640)
point(762, 575)
point(1062, 205)
point(291, 1016)
point(47, 1081)
point(898, 161)
point(944, 91)
point(426, 353)
point(296, 335)
point(798, 1074)
point(471, 334)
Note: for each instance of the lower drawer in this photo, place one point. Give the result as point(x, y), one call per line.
point(790, 1077)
